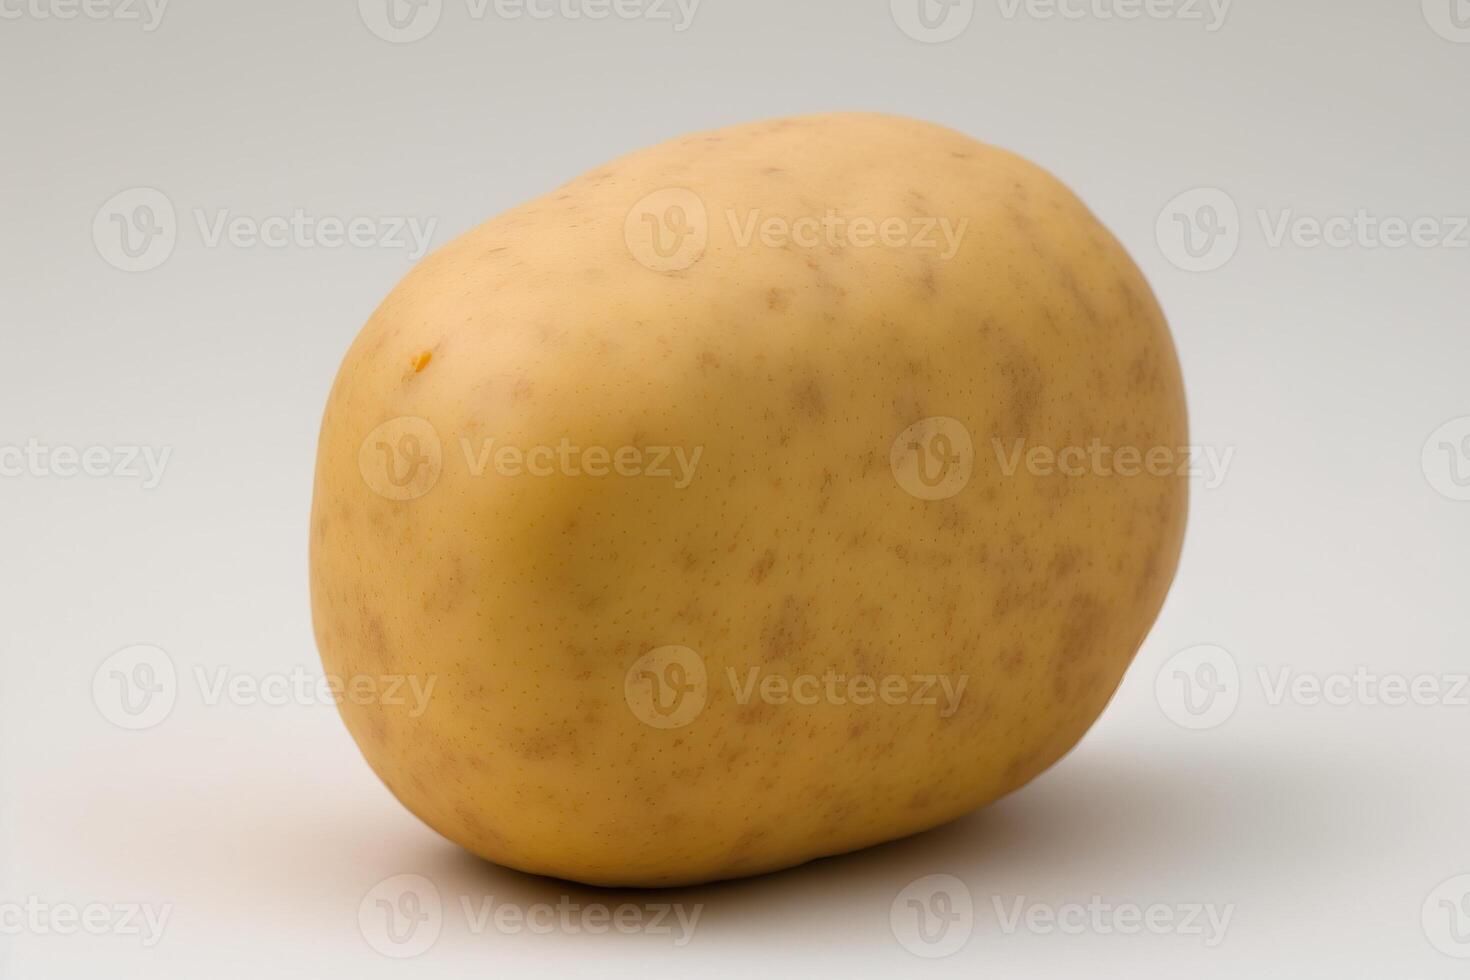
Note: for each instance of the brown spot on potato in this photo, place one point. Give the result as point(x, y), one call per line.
point(374, 638)
point(763, 566)
point(929, 281)
point(755, 712)
point(1082, 630)
point(808, 398)
point(1025, 382)
point(785, 629)
point(541, 746)
point(1064, 562)
point(1012, 660)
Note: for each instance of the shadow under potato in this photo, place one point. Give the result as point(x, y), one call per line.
point(1114, 818)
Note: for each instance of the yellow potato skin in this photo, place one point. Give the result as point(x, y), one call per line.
point(794, 549)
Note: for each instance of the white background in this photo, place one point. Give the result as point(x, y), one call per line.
point(1334, 543)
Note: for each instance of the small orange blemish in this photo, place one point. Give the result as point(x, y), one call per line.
point(421, 360)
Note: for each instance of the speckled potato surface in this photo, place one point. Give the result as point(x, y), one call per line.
point(832, 624)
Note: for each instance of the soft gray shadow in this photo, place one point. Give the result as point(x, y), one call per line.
point(1105, 812)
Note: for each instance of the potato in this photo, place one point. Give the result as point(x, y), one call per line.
point(760, 496)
